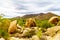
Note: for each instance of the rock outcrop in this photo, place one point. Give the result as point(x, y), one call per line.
point(30, 23)
point(52, 31)
point(12, 27)
point(53, 20)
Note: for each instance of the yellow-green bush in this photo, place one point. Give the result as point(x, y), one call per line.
point(43, 24)
point(4, 34)
point(39, 33)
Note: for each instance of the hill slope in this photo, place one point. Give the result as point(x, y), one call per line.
point(45, 16)
point(40, 16)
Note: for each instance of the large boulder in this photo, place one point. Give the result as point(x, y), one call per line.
point(53, 20)
point(30, 22)
point(52, 31)
point(12, 27)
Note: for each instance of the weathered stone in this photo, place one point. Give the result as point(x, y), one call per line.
point(49, 38)
point(52, 31)
point(53, 20)
point(24, 39)
point(18, 35)
point(12, 27)
point(18, 26)
point(30, 23)
point(56, 37)
point(28, 32)
point(2, 39)
point(58, 24)
point(19, 31)
point(35, 37)
point(13, 38)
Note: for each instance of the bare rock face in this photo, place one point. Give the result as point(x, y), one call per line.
point(2, 39)
point(56, 37)
point(49, 38)
point(18, 26)
point(58, 24)
point(35, 37)
point(19, 29)
point(53, 20)
point(24, 39)
point(30, 22)
point(46, 37)
point(52, 31)
point(28, 32)
point(12, 27)
point(13, 38)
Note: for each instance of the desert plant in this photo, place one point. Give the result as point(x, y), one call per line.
point(45, 24)
point(39, 33)
point(21, 22)
point(4, 34)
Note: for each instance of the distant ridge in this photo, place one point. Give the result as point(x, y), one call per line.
point(40, 16)
point(45, 16)
point(32, 15)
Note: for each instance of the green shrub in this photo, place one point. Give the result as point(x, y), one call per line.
point(21, 22)
point(5, 24)
point(45, 24)
point(4, 34)
point(38, 23)
point(39, 33)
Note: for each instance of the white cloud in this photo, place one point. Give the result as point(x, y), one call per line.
point(13, 8)
point(8, 8)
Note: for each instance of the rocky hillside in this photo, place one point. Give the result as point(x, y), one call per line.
point(33, 27)
point(40, 16)
point(32, 15)
point(45, 16)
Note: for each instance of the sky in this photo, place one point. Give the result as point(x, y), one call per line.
point(13, 8)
